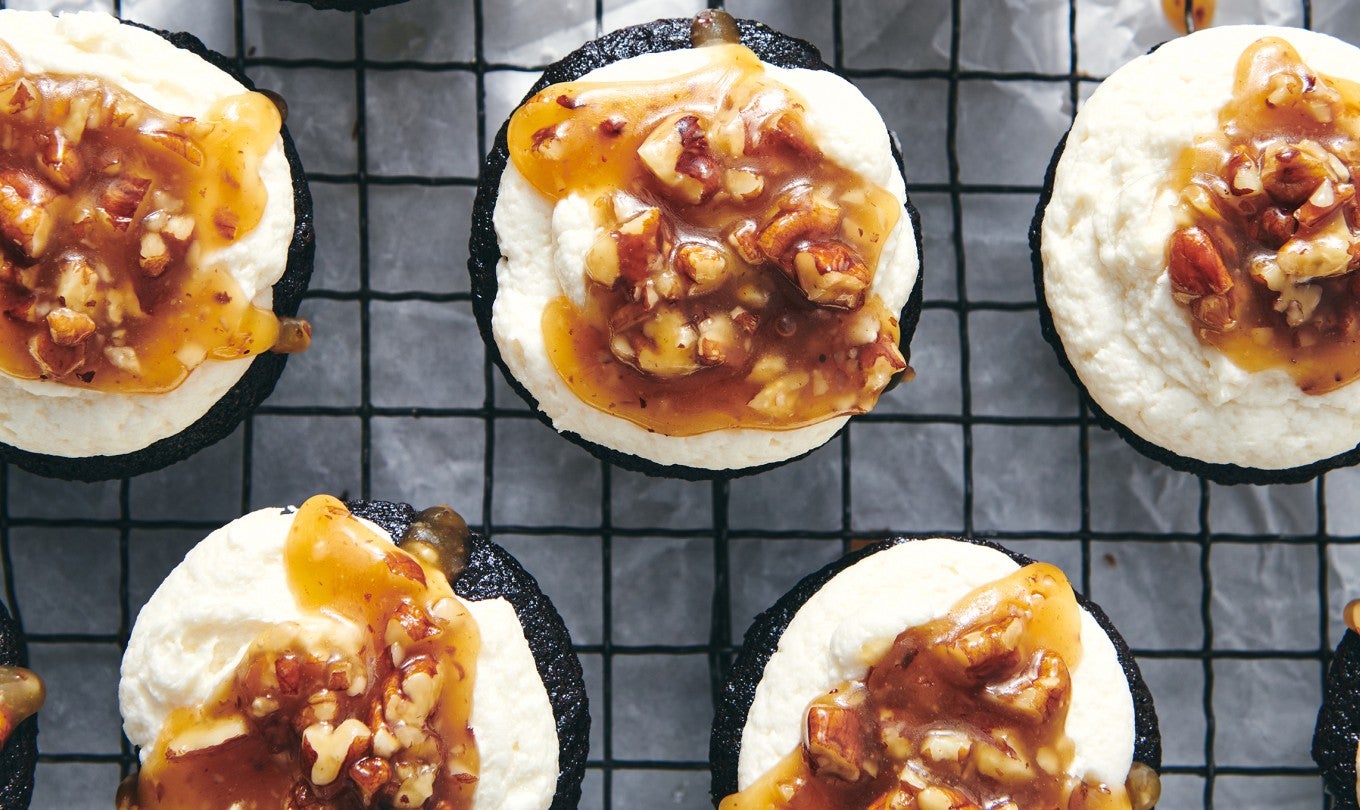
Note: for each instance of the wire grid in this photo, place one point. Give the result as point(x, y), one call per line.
point(1230, 593)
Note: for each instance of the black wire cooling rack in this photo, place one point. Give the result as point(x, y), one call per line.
point(1230, 596)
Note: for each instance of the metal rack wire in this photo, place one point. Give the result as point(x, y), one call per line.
point(100, 556)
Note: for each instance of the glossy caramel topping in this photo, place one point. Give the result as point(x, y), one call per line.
point(728, 282)
point(1269, 241)
point(22, 694)
point(311, 723)
point(963, 713)
point(1189, 15)
point(109, 212)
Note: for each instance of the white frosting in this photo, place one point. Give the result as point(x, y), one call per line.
point(1105, 236)
point(544, 249)
point(872, 602)
point(198, 625)
point(45, 417)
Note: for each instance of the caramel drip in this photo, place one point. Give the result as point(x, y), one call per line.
point(640, 347)
point(1253, 230)
point(946, 716)
point(109, 212)
point(249, 743)
point(22, 695)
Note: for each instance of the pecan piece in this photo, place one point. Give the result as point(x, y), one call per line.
point(154, 255)
point(987, 651)
point(25, 221)
point(1272, 227)
point(1290, 173)
point(1195, 266)
point(328, 750)
point(1214, 312)
point(830, 274)
point(370, 775)
point(702, 264)
point(178, 143)
point(55, 361)
point(835, 743)
point(1036, 693)
point(677, 153)
point(121, 198)
point(59, 160)
point(814, 220)
point(69, 327)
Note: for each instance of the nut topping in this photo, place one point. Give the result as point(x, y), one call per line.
point(835, 743)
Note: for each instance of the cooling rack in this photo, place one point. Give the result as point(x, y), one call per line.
point(1230, 596)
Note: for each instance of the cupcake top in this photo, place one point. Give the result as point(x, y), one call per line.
point(156, 188)
point(704, 256)
point(959, 615)
point(353, 657)
point(1195, 268)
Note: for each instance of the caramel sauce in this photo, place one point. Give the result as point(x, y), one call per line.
point(109, 210)
point(335, 566)
point(1257, 224)
point(945, 717)
point(1201, 14)
point(640, 346)
point(22, 694)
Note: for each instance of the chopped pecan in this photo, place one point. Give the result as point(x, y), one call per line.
point(1325, 199)
point(154, 255)
point(59, 160)
point(835, 743)
point(177, 143)
point(20, 97)
point(328, 750)
point(989, 651)
point(1195, 266)
point(642, 245)
point(702, 264)
point(25, 221)
point(1272, 227)
point(830, 274)
point(1036, 693)
point(813, 220)
point(1290, 173)
point(1244, 176)
point(937, 797)
point(677, 154)
point(121, 198)
point(55, 361)
point(370, 775)
point(69, 327)
point(1214, 312)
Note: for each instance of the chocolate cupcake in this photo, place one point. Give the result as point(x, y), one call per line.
point(298, 655)
point(21, 696)
point(692, 251)
point(1336, 738)
point(155, 240)
point(1195, 253)
point(934, 672)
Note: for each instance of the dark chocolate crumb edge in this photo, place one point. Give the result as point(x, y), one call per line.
point(1219, 473)
point(492, 572)
point(1338, 724)
point(484, 250)
point(258, 381)
point(762, 639)
point(20, 754)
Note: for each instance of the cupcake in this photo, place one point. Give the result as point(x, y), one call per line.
point(692, 250)
point(934, 673)
point(1337, 735)
point(155, 240)
point(21, 696)
point(299, 656)
point(1195, 253)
